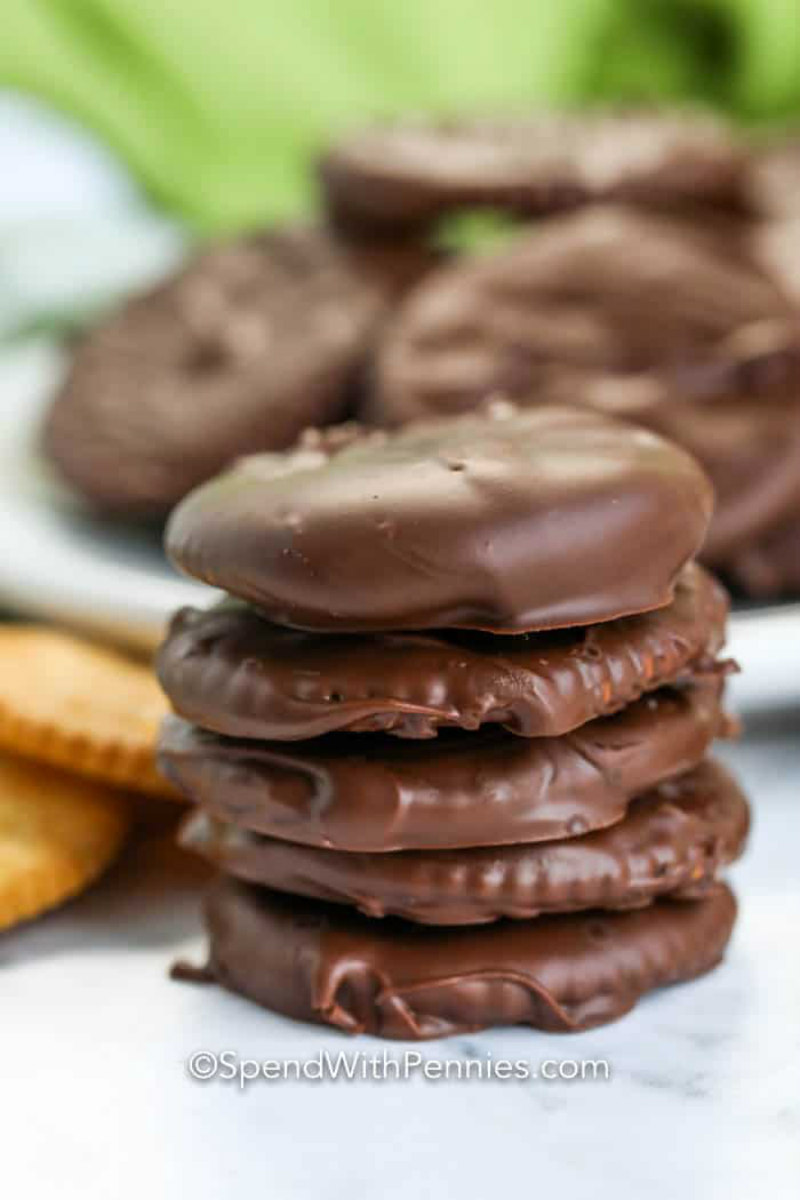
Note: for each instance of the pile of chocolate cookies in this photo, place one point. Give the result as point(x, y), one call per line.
point(651, 276)
point(448, 737)
point(668, 295)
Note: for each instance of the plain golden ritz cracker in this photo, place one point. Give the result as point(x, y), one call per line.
point(58, 833)
point(83, 707)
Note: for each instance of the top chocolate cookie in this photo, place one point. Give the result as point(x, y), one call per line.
point(506, 521)
point(241, 350)
point(403, 177)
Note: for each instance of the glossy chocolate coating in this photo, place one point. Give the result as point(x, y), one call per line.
point(379, 793)
point(682, 330)
point(241, 350)
point(321, 963)
point(506, 521)
point(230, 671)
point(401, 178)
point(673, 840)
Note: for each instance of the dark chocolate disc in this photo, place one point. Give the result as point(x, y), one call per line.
point(505, 521)
point(681, 330)
point(401, 178)
point(250, 343)
point(674, 840)
point(379, 793)
point(231, 671)
point(319, 962)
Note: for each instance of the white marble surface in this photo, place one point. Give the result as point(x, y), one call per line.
point(703, 1098)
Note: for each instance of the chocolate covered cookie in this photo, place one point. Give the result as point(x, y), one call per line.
point(673, 841)
point(506, 521)
point(488, 788)
point(321, 963)
point(683, 330)
point(401, 178)
point(231, 671)
point(246, 346)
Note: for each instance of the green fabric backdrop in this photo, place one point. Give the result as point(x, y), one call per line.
point(217, 106)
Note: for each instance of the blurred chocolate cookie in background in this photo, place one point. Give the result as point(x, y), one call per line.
point(772, 180)
point(771, 566)
point(688, 329)
point(250, 343)
point(402, 178)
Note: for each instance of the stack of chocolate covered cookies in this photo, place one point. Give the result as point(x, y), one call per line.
point(448, 738)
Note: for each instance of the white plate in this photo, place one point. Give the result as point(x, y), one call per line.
point(56, 562)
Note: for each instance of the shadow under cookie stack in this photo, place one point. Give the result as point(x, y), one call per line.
point(448, 736)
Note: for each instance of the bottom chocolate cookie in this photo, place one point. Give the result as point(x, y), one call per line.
point(674, 839)
point(321, 963)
